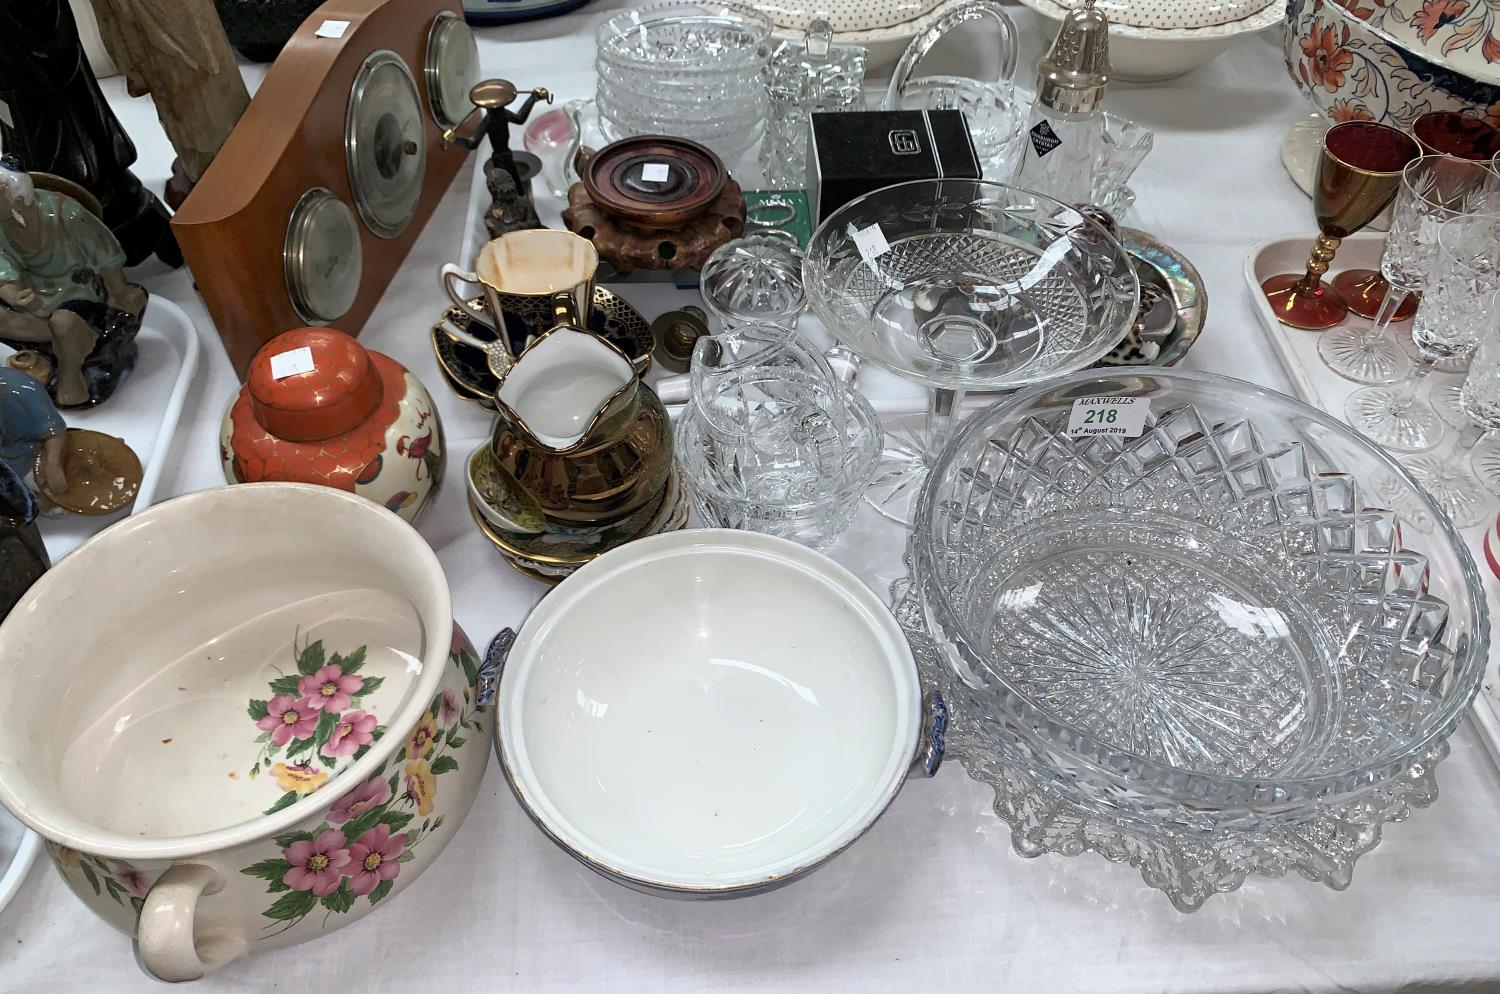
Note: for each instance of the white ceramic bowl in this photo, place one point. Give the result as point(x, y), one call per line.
point(244, 706)
point(1144, 55)
point(709, 713)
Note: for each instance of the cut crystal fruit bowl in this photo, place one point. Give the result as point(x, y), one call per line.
point(1204, 646)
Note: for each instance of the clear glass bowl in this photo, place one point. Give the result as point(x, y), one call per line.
point(1212, 641)
point(808, 491)
point(678, 37)
point(754, 280)
point(982, 286)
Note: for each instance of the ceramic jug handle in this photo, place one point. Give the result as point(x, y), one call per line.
point(931, 746)
point(474, 308)
point(923, 43)
point(166, 940)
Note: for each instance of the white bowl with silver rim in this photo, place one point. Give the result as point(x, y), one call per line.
point(711, 713)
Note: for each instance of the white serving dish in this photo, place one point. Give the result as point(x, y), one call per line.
point(792, 18)
point(710, 713)
point(1173, 14)
point(1319, 386)
point(1142, 55)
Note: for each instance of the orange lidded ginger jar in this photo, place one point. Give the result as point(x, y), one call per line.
point(318, 407)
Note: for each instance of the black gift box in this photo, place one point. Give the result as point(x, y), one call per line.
point(851, 153)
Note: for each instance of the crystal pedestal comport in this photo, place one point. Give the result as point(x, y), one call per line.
point(964, 285)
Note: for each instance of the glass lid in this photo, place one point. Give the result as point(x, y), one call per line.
point(323, 257)
point(452, 68)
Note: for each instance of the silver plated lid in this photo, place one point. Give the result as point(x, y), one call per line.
point(1073, 75)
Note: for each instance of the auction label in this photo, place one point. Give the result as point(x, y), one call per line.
point(1124, 417)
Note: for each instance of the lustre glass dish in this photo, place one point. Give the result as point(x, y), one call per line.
point(1212, 637)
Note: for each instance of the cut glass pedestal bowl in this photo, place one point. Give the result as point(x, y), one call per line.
point(965, 285)
point(1208, 650)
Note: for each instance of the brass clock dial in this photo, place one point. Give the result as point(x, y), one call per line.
point(322, 257)
point(452, 68)
point(385, 143)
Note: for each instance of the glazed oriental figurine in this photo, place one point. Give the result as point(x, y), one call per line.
point(30, 426)
point(71, 469)
point(320, 408)
point(58, 122)
point(510, 190)
point(63, 292)
point(23, 557)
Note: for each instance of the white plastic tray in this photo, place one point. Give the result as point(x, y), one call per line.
point(1321, 387)
point(145, 412)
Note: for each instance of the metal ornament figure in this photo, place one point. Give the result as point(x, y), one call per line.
point(509, 183)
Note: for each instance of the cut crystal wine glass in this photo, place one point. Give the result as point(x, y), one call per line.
point(965, 285)
point(1448, 477)
point(1434, 188)
point(1456, 312)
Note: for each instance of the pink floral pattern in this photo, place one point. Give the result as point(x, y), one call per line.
point(353, 729)
point(288, 718)
point(387, 816)
point(316, 864)
point(370, 794)
point(313, 720)
point(329, 689)
point(375, 858)
point(124, 884)
point(132, 879)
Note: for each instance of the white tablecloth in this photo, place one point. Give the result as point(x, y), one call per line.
point(933, 898)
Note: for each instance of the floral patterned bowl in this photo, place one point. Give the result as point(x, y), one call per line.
point(272, 724)
point(1393, 62)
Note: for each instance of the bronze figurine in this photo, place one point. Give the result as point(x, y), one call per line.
point(509, 184)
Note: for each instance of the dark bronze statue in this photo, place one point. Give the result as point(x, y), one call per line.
point(57, 121)
point(511, 208)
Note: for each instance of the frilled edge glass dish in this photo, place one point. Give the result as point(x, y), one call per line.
point(1205, 637)
point(1187, 867)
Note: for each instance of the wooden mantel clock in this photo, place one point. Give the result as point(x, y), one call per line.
point(327, 179)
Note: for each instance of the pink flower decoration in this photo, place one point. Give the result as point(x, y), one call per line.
point(316, 865)
point(419, 446)
point(370, 794)
point(289, 718)
point(329, 688)
point(355, 728)
point(448, 709)
point(133, 880)
point(373, 858)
